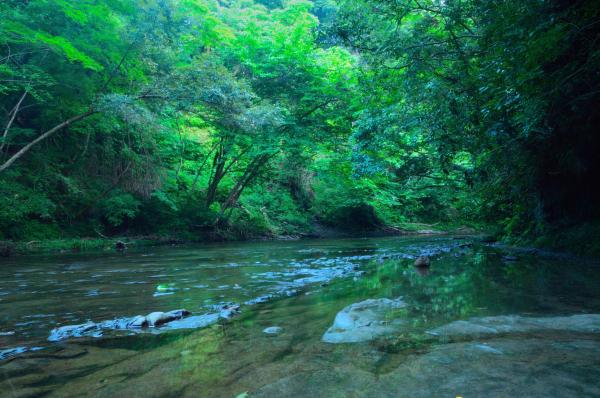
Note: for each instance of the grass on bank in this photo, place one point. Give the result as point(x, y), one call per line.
point(8, 248)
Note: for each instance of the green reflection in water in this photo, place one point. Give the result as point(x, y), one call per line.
point(230, 358)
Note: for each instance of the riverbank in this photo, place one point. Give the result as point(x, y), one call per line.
point(318, 231)
point(579, 241)
point(9, 248)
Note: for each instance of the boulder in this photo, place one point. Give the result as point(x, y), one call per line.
point(365, 321)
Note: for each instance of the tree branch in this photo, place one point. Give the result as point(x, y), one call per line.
point(12, 119)
point(42, 137)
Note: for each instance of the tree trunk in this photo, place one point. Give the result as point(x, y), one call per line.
point(249, 175)
point(220, 172)
point(217, 175)
point(199, 169)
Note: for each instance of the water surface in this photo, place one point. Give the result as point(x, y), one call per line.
point(299, 286)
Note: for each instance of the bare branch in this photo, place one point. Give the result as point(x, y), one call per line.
point(14, 112)
point(42, 137)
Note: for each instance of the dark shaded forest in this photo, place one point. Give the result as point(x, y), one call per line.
point(202, 119)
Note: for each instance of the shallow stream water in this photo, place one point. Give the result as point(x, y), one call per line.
point(298, 286)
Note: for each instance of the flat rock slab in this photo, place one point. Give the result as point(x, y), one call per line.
point(506, 324)
point(533, 368)
point(365, 321)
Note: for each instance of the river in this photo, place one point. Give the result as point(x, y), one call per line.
point(479, 321)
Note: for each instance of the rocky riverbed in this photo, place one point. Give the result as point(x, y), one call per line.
point(347, 318)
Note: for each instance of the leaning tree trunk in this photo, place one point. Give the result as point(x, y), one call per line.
point(220, 171)
point(216, 176)
point(249, 175)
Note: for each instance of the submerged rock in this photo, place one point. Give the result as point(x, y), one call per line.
point(65, 332)
point(365, 321)
point(533, 368)
point(227, 310)
point(273, 330)
point(9, 352)
point(260, 300)
point(583, 323)
point(430, 251)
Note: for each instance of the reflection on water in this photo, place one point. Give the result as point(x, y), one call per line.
point(298, 287)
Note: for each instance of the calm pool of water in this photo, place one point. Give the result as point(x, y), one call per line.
point(298, 286)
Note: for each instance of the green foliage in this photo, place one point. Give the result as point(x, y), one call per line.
point(277, 209)
point(119, 208)
point(22, 210)
point(244, 118)
point(490, 81)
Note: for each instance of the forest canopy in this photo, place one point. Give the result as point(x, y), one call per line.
point(244, 118)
